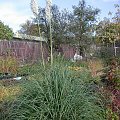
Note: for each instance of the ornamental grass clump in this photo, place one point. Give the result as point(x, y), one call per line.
point(56, 96)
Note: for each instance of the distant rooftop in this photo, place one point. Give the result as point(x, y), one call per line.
point(29, 37)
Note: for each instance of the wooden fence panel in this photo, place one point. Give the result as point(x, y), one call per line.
point(24, 51)
point(68, 51)
point(30, 51)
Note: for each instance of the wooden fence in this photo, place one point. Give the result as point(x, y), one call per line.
point(24, 51)
point(68, 51)
point(30, 51)
point(27, 51)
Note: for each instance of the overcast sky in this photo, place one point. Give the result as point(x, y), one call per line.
point(16, 12)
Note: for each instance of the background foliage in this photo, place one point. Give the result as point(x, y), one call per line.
point(5, 32)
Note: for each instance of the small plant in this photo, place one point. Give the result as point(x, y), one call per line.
point(113, 73)
point(9, 92)
point(95, 65)
point(8, 64)
point(111, 115)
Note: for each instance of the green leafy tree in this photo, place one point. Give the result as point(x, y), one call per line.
point(108, 30)
point(60, 22)
point(5, 32)
point(84, 21)
point(30, 28)
point(103, 30)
